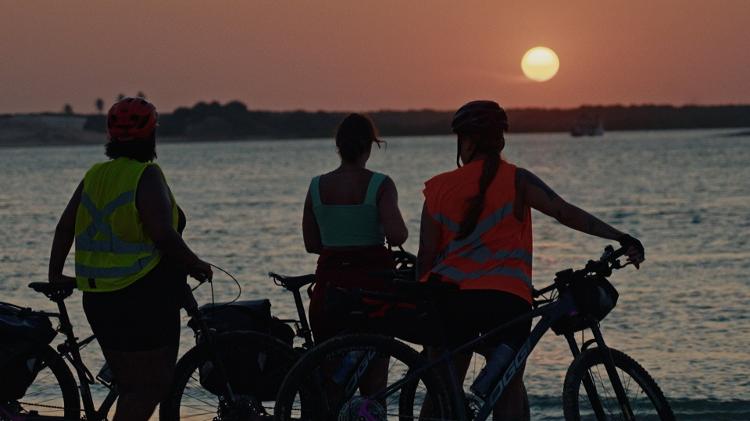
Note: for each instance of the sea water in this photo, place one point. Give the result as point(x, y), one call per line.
point(684, 315)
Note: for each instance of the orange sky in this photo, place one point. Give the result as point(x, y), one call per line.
point(367, 55)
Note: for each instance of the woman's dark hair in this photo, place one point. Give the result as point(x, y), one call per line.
point(355, 136)
point(488, 141)
point(143, 150)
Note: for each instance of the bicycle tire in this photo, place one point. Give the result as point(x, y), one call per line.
point(66, 406)
point(406, 404)
point(302, 384)
point(591, 361)
point(188, 394)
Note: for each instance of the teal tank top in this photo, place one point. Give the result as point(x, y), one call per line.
point(349, 225)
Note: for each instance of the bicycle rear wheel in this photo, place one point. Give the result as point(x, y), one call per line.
point(255, 364)
point(357, 377)
point(646, 399)
point(53, 393)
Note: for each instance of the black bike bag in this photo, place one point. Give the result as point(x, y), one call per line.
point(594, 297)
point(22, 333)
point(248, 374)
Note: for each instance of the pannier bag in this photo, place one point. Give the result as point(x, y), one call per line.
point(595, 297)
point(22, 334)
point(250, 369)
point(406, 318)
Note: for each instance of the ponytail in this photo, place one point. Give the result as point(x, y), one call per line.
point(355, 136)
point(488, 144)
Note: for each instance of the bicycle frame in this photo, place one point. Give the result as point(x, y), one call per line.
point(191, 307)
point(70, 350)
point(550, 314)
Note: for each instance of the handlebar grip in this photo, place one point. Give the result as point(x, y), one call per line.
point(618, 253)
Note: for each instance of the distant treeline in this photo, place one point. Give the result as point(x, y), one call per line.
point(234, 121)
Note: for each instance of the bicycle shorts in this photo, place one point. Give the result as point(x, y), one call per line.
point(470, 313)
point(142, 316)
point(360, 268)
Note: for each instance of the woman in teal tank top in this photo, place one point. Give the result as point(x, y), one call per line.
point(350, 213)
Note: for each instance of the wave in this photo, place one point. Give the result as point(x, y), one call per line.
point(549, 408)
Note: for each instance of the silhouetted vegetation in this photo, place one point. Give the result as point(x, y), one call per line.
point(234, 121)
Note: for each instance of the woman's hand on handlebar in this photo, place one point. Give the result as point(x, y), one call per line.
point(201, 271)
point(633, 249)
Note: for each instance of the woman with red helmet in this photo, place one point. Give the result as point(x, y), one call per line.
point(130, 259)
point(476, 232)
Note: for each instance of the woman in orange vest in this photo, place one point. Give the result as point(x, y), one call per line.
point(476, 232)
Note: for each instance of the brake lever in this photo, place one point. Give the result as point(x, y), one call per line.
point(618, 265)
point(201, 281)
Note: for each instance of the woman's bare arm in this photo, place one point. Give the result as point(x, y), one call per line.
point(64, 236)
point(155, 209)
point(310, 229)
point(390, 216)
point(540, 196)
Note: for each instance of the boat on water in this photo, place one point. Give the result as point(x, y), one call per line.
point(587, 126)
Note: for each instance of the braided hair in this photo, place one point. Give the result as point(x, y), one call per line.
point(484, 122)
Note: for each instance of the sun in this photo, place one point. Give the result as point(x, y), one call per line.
point(540, 64)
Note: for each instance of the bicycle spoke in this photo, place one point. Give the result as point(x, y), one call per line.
point(199, 400)
point(200, 414)
point(641, 402)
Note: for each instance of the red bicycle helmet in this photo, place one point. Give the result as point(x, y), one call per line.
point(131, 119)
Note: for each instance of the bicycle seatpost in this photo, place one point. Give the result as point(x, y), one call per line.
point(65, 325)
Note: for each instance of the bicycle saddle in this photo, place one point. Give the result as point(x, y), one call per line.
point(292, 283)
point(54, 291)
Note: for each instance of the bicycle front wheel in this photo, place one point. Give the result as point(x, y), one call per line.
point(254, 366)
point(600, 402)
point(53, 393)
point(361, 376)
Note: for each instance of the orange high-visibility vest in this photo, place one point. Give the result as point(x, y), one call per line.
point(498, 254)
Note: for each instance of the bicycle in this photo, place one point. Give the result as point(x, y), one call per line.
point(599, 383)
point(247, 366)
point(242, 389)
point(54, 392)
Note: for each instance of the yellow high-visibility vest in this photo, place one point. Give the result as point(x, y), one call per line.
point(112, 248)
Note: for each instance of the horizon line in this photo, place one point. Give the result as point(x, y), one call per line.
point(404, 110)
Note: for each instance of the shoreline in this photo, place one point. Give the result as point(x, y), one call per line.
point(90, 138)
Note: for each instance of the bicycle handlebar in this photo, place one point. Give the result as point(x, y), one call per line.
point(603, 267)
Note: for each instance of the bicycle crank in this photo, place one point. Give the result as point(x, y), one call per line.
point(360, 408)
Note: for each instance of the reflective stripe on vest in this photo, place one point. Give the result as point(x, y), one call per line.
point(113, 244)
point(113, 250)
point(86, 242)
point(456, 274)
point(116, 272)
point(478, 251)
point(475, 237)
point(497, 254)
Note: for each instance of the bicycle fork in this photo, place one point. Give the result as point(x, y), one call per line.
point(609, 364)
